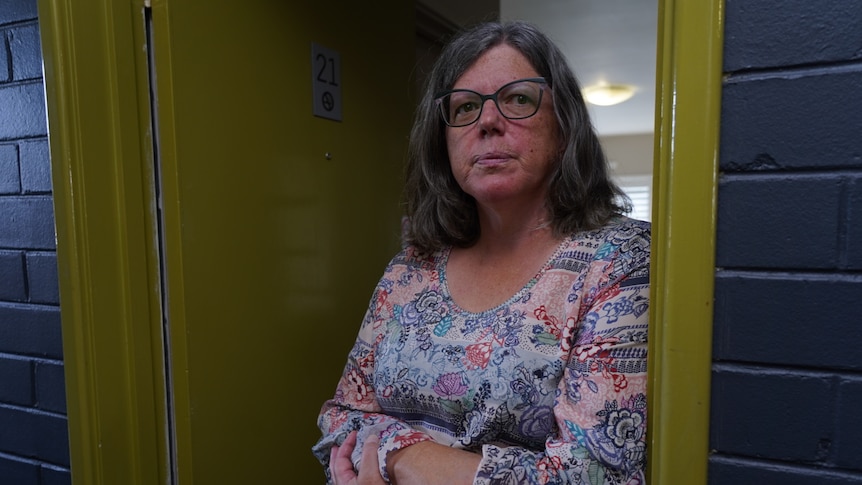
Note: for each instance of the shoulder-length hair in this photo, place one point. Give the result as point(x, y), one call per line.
point(581, 194)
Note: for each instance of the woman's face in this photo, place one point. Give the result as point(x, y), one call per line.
point(497, 160)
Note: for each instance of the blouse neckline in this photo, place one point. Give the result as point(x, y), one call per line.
point(443, 261)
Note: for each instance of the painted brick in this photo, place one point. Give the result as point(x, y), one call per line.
point(26, 52)
point(848, 423)
point(34, 435)
point(30, 330)
point(22, 111)
point(792, 120)
point(42, 282)
point(17, 378)
point(50, 387)
point(17, 10)
point(778, 221)
point(52, 476)
point(772, 414)
point(759, 35)
point(35, 166)
point(10, 180)
point(12, 286)
point(27, 222)
point(788, 319)
point(853, 226)
point(19, 472)
point(726, 470)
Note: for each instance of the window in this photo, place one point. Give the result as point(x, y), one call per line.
point(639, 190)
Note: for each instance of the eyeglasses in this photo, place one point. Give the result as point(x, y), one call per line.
point(515, 100)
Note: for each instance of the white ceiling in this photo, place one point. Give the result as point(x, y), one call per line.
point(605, 40)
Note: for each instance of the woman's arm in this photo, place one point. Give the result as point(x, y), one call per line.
point(355, 414)
point(599, 410)
point(600, 405)
point(429, 463)
point(355, 406)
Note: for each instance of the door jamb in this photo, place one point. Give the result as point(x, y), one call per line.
point(688, 115)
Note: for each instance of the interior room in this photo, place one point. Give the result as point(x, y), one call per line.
point(611, 45)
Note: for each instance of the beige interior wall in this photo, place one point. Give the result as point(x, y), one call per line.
point(629, 154)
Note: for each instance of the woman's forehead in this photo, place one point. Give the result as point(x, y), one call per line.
point(497, 66)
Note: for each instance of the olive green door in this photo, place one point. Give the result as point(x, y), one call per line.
point(276, 221)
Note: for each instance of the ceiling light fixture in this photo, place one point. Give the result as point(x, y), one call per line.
point(604, 94)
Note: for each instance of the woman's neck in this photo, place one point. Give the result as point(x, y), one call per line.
point(510, 230)
point(505, 257)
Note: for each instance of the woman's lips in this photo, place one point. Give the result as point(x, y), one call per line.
point(491, 159)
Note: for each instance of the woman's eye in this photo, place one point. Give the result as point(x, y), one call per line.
point(465, 108)
point(519, 98)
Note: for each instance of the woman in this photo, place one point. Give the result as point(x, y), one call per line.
point(506, 343)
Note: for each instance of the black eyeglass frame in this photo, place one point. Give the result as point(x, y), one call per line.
point(438, 100)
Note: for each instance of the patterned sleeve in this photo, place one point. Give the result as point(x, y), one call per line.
point(600, 402)
point(355, 405)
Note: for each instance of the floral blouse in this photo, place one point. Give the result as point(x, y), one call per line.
point(549, 387)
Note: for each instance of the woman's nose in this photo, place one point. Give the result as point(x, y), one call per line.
point(490, 119)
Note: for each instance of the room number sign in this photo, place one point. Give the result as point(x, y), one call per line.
point(326, 82)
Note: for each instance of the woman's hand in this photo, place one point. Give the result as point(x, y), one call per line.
point(341, 467)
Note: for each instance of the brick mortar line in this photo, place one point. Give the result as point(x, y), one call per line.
point(16, 305)
point(31, 461)
point(781, 370)
point(753, 462)
point(825, 276)
point(814, 174)
point(38, 360)
point(849, 66)
point(32, 410)
point(18, 23)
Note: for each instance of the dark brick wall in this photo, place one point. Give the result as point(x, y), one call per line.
point(34, 446)
point(787, 372)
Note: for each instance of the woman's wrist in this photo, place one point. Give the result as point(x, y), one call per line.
point(428, 463)
point(396, 460)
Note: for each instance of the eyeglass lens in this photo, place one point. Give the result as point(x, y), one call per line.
point(516, 100)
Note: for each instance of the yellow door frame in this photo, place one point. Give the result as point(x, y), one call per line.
point(683, 248)
point(101, 154)
point(96, 88)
